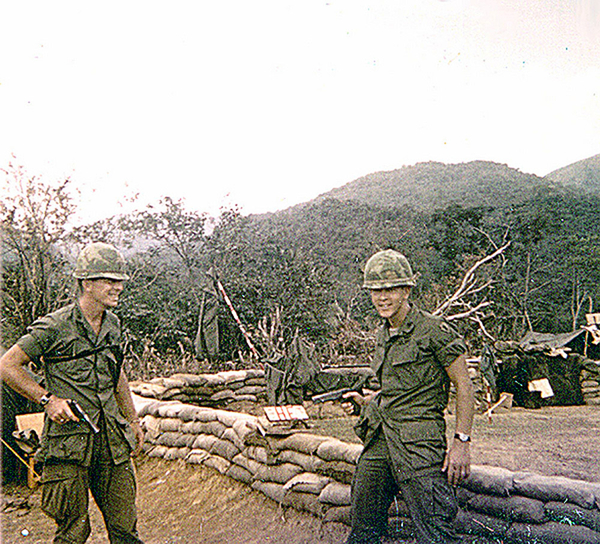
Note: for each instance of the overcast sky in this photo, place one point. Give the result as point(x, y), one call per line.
point(266, 104)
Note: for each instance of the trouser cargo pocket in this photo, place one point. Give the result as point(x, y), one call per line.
point(64, 492)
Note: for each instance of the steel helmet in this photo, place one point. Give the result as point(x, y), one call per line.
point(99, 260)
point(388, 269)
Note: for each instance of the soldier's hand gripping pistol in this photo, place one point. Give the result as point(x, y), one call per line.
point(81, 414)
point(338, 394)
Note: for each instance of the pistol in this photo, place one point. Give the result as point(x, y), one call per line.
point(337, 394)
point(80, 413)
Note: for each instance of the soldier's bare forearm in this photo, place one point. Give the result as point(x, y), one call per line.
point(13, 374)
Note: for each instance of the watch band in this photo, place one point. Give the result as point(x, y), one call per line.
point(45, 399)
point(462, 437)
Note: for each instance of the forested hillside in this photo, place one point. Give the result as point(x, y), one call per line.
point(583, 174)
point(432, 185)
point(532, 246)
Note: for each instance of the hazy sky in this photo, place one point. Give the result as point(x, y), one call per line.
point(269, 103)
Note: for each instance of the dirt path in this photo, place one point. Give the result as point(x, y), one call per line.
point(189, 504)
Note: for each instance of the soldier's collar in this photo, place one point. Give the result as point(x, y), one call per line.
point(406, 326)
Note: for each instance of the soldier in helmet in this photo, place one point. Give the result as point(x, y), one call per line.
point(402, 426)
point(91, 426)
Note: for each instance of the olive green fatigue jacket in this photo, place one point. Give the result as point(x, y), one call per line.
point(80, 366)
point(409, 410)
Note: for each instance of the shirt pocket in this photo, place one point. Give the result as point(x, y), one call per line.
point(64, 360)
point(408, 368)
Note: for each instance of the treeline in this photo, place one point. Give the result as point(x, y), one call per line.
point(299, 271)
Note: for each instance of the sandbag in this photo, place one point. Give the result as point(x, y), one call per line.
point(489, 480)
point(336, 494)
point(304, 443)
point(225, 449)
point(244, 428)
point(240, 474)
point(191, 379)
point(193, 427)
point(474, 523)
point(197, 457)
point(250, 390)
point(250, 465)
point(157, 451)
point(189, 413)
point(232, 437)
point(218, 463)
point(338, 514)
point(170, 424)
point(556, 488)
point(176, 453)
point(205, 415)
point(551, 533)
point(515, 508)
point(259, 454)
point(270, 489)
point(337, 470)
point(307, 502)
point(216, 428)
point(169, 439)
point(222, 397)
point(307, 482)
point(336, 450)
point(279, 473)
point(572, 514)
point(310, 463)
point(204, 442)
point(170, 409)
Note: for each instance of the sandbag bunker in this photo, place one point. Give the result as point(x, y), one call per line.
point(313, 473)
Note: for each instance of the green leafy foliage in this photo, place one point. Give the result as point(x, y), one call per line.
point(305, 264)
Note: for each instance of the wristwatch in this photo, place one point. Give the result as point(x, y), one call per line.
point(45, 399)
point(462, 437)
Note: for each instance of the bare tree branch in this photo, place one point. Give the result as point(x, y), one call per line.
point(468, 280)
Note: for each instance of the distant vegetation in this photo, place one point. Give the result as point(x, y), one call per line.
point(300, 270)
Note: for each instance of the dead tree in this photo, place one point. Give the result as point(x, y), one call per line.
point(468, 288)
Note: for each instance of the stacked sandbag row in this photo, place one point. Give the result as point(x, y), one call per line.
point(590, 386)
point(305, 471)
point(314, 473)
point(215, 390)
point(522, 507)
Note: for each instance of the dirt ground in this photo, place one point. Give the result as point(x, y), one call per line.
point(190, 504)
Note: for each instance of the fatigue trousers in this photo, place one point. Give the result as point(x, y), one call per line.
point(65, 496)
point(430, 499)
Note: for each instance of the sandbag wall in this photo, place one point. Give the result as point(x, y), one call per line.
point(590, 386)
point(313, 473)
point(216, 390)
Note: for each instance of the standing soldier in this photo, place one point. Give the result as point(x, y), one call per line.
point(402, 426)
point(91, 427)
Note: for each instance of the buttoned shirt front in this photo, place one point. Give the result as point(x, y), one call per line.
point(411, 364)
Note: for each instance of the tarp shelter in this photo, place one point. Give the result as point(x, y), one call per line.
point(557, 358)
point(578, 341)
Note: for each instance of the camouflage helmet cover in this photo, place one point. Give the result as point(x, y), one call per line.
point(388, 269)
point(99, 260)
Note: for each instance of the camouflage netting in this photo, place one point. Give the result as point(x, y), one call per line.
point(313, 473)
